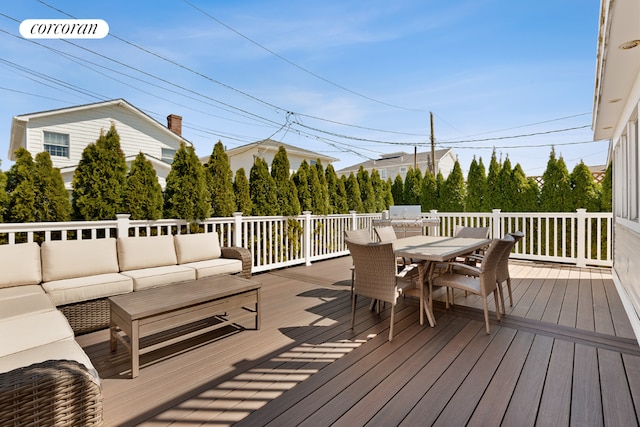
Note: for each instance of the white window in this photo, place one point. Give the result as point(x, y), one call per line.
point(632, 143)
point(56, 144)
point(167, 155)
point(383, 174)
point(403, 169)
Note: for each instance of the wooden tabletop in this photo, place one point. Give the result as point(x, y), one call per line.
point(439, 249)
point(148, 302)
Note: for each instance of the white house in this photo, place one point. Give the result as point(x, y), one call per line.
point(394, 164)
point(65, 132)
point(243, 156)
point(615, 117)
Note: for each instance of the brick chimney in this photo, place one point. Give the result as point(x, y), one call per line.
point(174, 123)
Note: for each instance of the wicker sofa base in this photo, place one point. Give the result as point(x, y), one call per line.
point(50, 393)
point(87, 316)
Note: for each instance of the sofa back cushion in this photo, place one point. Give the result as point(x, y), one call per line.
point(135, 253)
point(66, 259)
point(197, 247)
point(20, 265)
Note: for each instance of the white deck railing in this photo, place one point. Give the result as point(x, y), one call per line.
point(579, 238)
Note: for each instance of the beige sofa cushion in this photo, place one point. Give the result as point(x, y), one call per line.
point(66, 259)
point(66, 349)
point(159, 276)
point(20, 291)
point(214, 267)
point(25, 305)
point(197, 247)
point(20, 265)
point(24, 332)
point(69, 291)
point(143, 252)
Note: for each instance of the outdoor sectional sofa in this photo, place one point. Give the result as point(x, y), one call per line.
point(52, 292)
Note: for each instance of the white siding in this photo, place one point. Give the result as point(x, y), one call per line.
point(84, 126)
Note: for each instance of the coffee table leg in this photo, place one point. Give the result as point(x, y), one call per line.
point(135, 348)
point(113, 342)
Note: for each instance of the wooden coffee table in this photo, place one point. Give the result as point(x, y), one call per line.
point(138, 314)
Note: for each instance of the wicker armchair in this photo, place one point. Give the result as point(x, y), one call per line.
point(478, 280)
point(376, 276)
point(50, 393)
point(361, 235)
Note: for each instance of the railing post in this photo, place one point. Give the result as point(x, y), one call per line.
point(122, 224)
point(306, 232)
point(237, 229)
point(354, 220)
point(495, 219)
point(581, 259)
point(433, 214)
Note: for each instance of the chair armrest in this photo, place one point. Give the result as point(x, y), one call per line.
point(243, 254)
point(461, 268)
point(53, 392)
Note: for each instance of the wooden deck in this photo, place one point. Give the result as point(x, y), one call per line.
point(565, 354)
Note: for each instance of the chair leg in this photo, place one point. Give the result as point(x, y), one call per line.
point(509, 289)
point(486, 314)
point(501, 294)
point(353, 310)
point(393, 309)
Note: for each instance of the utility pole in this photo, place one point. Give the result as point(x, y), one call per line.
point(433, 147)
point(415, 158)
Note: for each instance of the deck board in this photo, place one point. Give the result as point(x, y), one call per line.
point(307, 366)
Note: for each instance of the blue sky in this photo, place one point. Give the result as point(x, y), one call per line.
point(350, 79)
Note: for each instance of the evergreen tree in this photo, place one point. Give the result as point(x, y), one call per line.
point(21, 188)
point(493, 197)
point(366, 190)
point(337, 193)
point(286, 192)
point(606, 193)
point(52, 201)
point(318, 205)
point(220, 182)
point(584, 190)
point(301, 181)
point(440, 191)
point(99, 180)
point(526, 199)
point(263, 189)
point(354, 200)
point(555, 195)
point(388, 196)
point(429, 192)
point(397, 190)
point(454, 194)
point(412, 187)
point(4, 197)
point(242, 192)
point(476, 186)
point(507, 188)
point(143, 193)
point(323, 195)
point(379, 191)
point(186, 195)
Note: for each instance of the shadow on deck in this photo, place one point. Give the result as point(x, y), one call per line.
point(564, 354)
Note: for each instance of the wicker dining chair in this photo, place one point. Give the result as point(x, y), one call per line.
point(361, 235)
point(478, 280)
point(502, 273)
point(471, 232)
point(376, 276)
point(386, 233)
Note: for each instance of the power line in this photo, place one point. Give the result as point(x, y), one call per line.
point(277, 55)
point(516, 136)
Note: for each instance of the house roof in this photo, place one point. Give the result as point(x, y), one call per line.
point(271, 145)
point(617, 66)
point(19, 123)
point(400, 158)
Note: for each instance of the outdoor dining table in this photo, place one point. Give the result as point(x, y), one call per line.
point(430, 250)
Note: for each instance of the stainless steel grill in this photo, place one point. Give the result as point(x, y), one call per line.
point(407, 221)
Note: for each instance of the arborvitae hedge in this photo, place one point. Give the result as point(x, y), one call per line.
point(584, 190)
point(397, 190)
point(143, 193)
point(21, 188)
point(366, 191)
point(220, 182)
point(99, 180)
point(52, 198)
point(186, 195)
point(263, 189)
point(454, 191)
point(337, 192)
point(476, 186)
point(286, 192)
point(354, 200)
point(242, 192)
point(301, 181)
point(555, 195)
